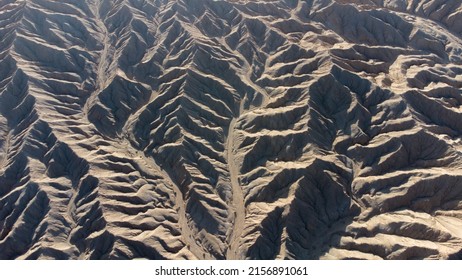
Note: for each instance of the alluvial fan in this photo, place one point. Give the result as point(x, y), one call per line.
point(210, 129)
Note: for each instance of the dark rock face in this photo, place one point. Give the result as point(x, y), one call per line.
point(230, 129)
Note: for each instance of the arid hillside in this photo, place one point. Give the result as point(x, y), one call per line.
point(211, 129)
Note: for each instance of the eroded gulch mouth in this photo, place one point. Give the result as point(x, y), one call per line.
point(230, 129)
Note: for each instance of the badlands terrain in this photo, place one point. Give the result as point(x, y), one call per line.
point(211, 129)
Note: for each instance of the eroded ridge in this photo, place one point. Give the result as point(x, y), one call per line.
point(230, 129)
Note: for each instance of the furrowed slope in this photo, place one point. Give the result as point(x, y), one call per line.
point(230, 129)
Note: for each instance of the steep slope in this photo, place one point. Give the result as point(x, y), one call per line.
point(210, 129)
